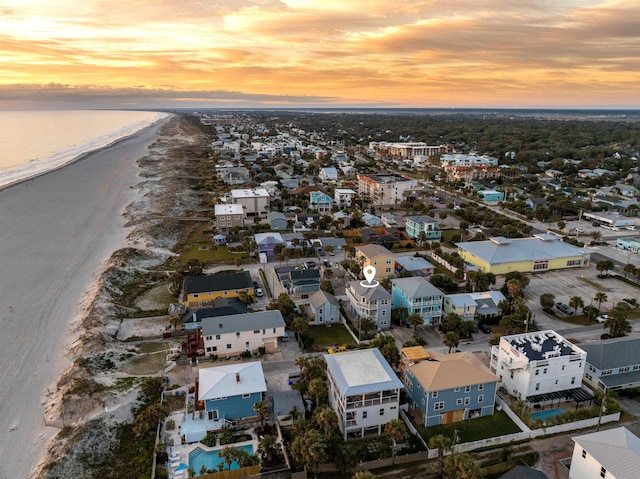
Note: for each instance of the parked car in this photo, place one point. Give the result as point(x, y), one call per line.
point(565, 308)
point(602, 318)
point(255, 284)
point(259, 292)
point(484, 328)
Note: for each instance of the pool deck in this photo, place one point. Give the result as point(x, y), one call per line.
point(174, 441)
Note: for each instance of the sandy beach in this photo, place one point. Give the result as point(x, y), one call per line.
point(56, 232)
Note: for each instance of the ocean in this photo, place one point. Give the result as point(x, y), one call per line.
point(34, 142)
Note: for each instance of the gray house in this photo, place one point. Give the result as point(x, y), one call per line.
point(613, 363)
point(325, 308)
point(277, 221)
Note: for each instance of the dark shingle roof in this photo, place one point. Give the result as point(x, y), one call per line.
point(521, 472)
point(217, 282)
point(613, 353)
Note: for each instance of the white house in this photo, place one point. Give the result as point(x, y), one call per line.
point(535, 366)
point(234, 334)
point(609, 454)
point(363, 391)
point(328, 174)
point(344, 197)
point(255, 201)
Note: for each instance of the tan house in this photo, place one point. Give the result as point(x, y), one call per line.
point(377, 256)
point(228, 216)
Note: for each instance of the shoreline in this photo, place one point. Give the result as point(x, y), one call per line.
point(78, 207)
point(88, 153)
point(99, 315)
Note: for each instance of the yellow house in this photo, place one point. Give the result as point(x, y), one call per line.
point(541, 252)
point(377, 256)
point(204, 290)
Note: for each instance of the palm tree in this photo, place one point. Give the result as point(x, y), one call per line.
point(576, 302)
point(310, 449)
point(299, 326)
point(441, 443)
point(461, 465)
point(617, 321)
point(318, 389)
point(396, 431)
point(513, 289)
point(629, 269)
point(600, 298)
point(414, 319)
point(326, 418)
point(366, 325)
point(268, 450)
point(262, 411)
point(226, 454)
point(605, 265)
point(451, 339)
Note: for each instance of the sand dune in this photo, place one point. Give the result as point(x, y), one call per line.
point(56, 232)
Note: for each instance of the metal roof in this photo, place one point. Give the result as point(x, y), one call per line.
point(217, 282)
point(617, 450)
point(416, 287)
point(361, 372)
point(501, 250)
point(613, 353)
point(242, 322)
point(231, 380)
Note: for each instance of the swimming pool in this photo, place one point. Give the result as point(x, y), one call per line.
point(544, 415)
point(210, 459)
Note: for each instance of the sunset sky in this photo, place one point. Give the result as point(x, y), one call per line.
point(270, 53)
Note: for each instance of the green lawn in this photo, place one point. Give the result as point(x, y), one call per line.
point(335, 335)
point(209, 253)
point(474, 429)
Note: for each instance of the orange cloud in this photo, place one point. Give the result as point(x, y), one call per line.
point(405, 53)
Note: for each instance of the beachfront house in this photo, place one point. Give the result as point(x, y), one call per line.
point(201, 291)
point(233, 335)
point(363, 391)
point(223, 396)
point(228, 217)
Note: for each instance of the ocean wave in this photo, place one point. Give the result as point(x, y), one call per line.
point(69, 154)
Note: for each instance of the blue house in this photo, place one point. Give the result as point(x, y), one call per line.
point(320, 201)
point(419, 296)
point(450, 388)
point(423, 224)
point(223, 395)
point(491, 195)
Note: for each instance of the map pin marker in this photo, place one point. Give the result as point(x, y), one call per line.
point(369, 273)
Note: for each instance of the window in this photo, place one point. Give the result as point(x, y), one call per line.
point(364, 414)
point(256, 331)
point(434, 394)
point(196, 295)
point(537, 372)
point(603, 472)
point(217, 336)
point(387, 270)
point(458, 401)
point(209, 338)
point(456, 389)
point(438, 406)
point(247, 344)
point(245, 396)
point(208, 350)
point(388, 261)
point(573, 380)
point(480, 387)
point(467, 389)
point(563, 367)
point(584, 453)
point(228, 346)
point(537, 386)
point(467, 401)
point(481, 398)
point(214, 349)
point(237, 335)
point(544, 371)
point(382, 411)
